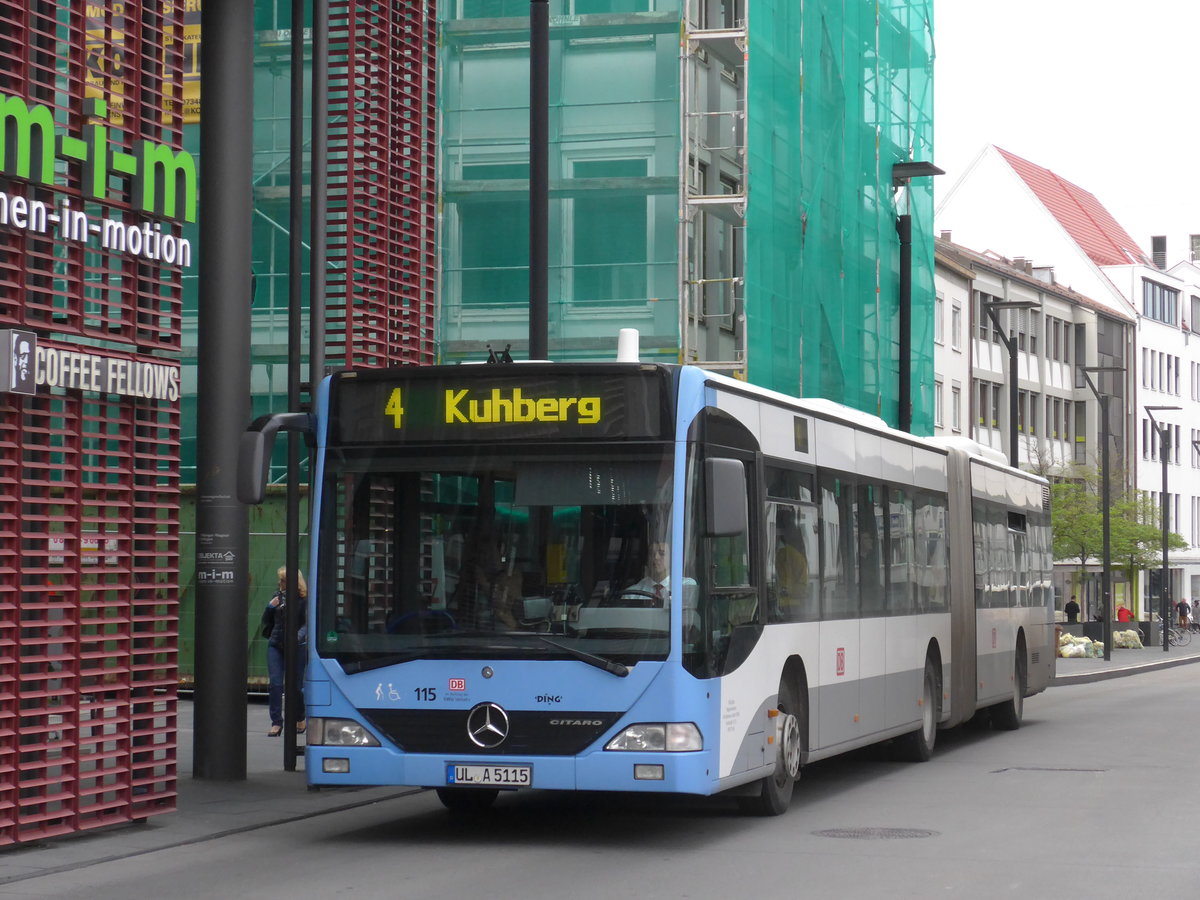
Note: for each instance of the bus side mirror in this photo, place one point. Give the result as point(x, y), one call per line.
point(725, 497)
point(254, 451)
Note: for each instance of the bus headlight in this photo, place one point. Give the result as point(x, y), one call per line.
point(658, 736)
point(339, 733)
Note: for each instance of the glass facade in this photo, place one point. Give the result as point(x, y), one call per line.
point(720, 178)
point(614, 123)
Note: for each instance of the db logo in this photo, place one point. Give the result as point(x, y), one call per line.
point(458, 684)
point(841, 660)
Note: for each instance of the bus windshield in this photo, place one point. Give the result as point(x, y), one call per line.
point(496, 553)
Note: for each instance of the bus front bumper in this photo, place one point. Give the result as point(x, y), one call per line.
point(690, 772)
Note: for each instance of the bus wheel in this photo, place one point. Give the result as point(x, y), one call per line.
point(1007, 715)
point(917, 746)
point(467, 800)
point(775, 791)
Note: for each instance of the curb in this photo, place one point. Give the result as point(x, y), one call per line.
point(1121, 672)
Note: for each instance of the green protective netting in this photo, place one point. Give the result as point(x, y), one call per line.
point(837, 93)
point(614, 177)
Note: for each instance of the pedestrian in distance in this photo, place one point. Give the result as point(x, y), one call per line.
point(274, 618)
point(1072, 610)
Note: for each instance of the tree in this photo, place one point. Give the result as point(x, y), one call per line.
point(1135, 525)
point(1076, 520)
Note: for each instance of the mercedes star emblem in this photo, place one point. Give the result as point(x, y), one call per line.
point(487, 725)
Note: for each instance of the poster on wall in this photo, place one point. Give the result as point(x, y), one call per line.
point(106, 74)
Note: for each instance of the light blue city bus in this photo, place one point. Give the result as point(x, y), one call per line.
point(635, 577)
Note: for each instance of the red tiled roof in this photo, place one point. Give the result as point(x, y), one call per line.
point(1088, 223)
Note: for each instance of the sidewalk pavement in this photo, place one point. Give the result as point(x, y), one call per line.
point(1124, 662)
point(206, 810)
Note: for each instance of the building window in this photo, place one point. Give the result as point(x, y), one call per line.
point(939, 315)
point(956, 408)
point(983, 321)
point(938, 411)
point(609, 264)
point(956, 327)
point(1081, 433)
point(1160, 302)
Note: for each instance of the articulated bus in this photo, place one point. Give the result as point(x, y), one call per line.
point(634, 577)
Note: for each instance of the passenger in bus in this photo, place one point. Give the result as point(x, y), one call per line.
point(791, 566)
point(489, 586)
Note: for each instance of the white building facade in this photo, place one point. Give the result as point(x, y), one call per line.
point(1055, 331)
point(1004, 203)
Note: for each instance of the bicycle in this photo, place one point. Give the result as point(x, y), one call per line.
point(1178, 637)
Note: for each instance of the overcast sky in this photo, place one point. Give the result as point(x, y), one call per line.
point(1105, 93)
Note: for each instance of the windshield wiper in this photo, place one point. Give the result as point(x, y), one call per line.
point(378, 662)
point(591, 659)
point(390, 659)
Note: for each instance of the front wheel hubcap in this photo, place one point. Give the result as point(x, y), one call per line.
point(789, 749)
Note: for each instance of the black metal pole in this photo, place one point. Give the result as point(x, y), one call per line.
point(223, 392)
point(1010, 344)
point(1164, 590)
point(1014, 455)
point(539, 178)
point(904, 231)
point(1106, 577)
point(295, 298)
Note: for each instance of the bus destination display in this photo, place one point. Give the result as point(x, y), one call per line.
point(470, 404)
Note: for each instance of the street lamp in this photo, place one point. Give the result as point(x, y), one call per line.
point(1105, 503)
point(1010, 344)
point(1164, 607)
point(902, 174)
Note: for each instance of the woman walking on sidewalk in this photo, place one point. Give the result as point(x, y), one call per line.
point(273, 619)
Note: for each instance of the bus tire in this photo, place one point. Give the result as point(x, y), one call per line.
point(467, 800)
point(917, 746)
point(774, 794)
point(1006, 716)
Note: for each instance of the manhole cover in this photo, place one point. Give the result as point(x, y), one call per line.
point(876, 834)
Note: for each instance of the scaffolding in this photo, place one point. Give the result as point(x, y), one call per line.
point(712, 212)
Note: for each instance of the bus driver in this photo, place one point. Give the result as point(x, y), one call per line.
point(656, 584)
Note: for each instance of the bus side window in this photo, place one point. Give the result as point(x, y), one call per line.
point(869, 526)
point(933, 576)
point(839, 593)
point(901, 579)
